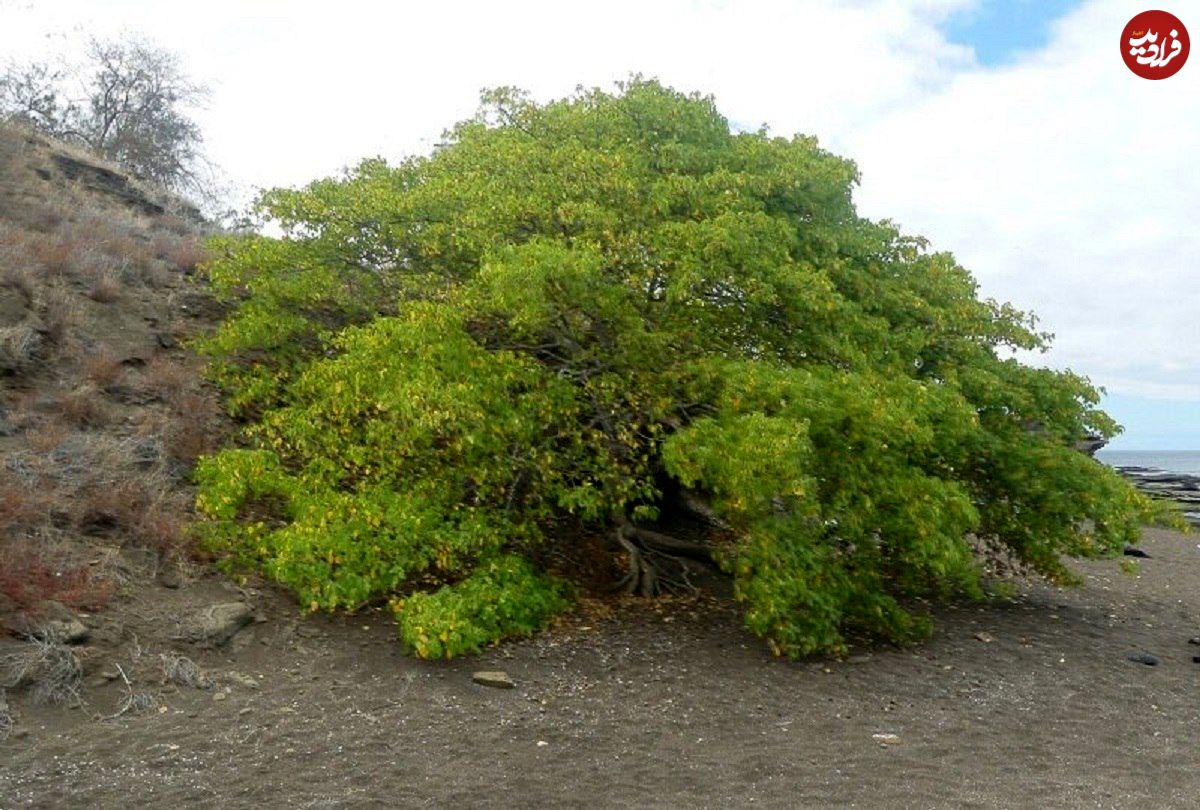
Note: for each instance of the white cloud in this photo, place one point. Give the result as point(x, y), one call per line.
point(1064, 182)
point(1070, 187)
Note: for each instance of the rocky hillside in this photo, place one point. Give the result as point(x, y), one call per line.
point(102, 411)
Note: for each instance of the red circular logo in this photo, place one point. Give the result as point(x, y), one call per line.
point(1155, 45)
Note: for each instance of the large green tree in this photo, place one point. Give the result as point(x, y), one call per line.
point(598, 317)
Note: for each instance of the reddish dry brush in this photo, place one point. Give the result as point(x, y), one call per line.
point(32, 574)
point(82, 407)
point(102, 368)
point(187, 255)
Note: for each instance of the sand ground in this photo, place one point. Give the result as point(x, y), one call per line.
point(1027, 703)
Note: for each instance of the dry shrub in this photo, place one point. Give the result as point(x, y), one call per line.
point(8, 721)
point(156, 275)
point(59, 253)
point(38, 569)
point(193, 430)
point(188, 441)
point(111, 504)
point(19, 345)
point(126, 247)
point(102, 368)
point(105, 287)
point(173, 223)
point(52, 671)
point(183, 671)
point(187, 255)
point(117, 236)
point(161, 527)
point(82, 407)
point(15, 249)
point(16, 275)
point(44, 214)
point(59, 315)
point(168, 377)
point(46, 435)
point(21, 506)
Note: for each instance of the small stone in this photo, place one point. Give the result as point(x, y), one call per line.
point(1144, 658)
point(1195, 640)
point(542, 743)
point(886, 739)
point(1134, 551)
point(220, 695)
point(495, 679)
point(217, 624)
point(242, 679)
point(984, 637)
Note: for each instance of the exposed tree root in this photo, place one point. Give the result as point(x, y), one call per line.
point(651, 555)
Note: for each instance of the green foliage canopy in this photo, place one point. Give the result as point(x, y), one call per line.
point(568, 314)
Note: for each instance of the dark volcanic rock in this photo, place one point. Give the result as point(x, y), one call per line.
point(1182, 488)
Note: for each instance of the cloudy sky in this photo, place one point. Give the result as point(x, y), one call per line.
point(1009, 133)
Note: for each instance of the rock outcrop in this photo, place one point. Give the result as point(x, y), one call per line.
point(1182, 488)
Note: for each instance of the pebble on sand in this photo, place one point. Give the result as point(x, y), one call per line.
point(496, 679)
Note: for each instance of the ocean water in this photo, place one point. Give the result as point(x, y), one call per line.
point(1176, 461)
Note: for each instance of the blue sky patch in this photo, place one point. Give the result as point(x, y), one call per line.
point(1154, 424)
point(1000, 31)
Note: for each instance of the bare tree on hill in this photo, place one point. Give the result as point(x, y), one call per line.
point(133, 109)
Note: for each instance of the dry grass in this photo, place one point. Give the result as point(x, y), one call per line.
point(166, 377)
point(133, 702)
point(183, 671)
point(60, 314)
point(102, 368)
point(162, 528)
point(83, 407)
point(194, 430)
point(21, 506)
point(16, 275)
point(105, 287)
point(59, 254)
point(46, 435)
point(157, 276)
point(173, 223)
point(49, 669)
point(19, 346)
point(187, 255)
point(40, 567)
point(8, 720)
